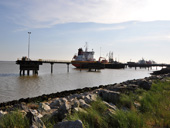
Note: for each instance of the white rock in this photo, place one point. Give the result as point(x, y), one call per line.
point(2, 113)
point(44, 107)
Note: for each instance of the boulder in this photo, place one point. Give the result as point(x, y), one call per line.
point(63, 110)
point(35, 113)
point(83, 104)
point(57, 103)
point(89, 98)
point(79, 110)
point(144, 84)
point(109, 96)
point(44, 107)
point(110, 105)
point(35, 122)
point(74, 103)
point(69, 124)
point(2, 113)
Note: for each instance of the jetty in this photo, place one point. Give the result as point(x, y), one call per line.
point(27, 65)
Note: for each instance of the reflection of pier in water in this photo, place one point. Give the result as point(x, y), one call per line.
point(33, 65)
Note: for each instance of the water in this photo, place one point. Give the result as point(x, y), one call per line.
point(13, 86)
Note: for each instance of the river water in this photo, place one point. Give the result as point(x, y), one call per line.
point(13, 86)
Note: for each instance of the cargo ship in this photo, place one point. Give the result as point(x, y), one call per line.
point(83, 58)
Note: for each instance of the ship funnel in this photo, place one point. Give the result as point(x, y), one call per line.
point(80, 51)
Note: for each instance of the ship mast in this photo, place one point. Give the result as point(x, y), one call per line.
point(86, 47)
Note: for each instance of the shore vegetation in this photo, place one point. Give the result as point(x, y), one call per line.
point(139, 109)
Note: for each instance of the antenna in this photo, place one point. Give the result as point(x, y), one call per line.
point(29, 44)
point(86, 47)
point(100, 51)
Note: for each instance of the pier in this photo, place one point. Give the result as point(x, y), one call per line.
point(135, 65)
point(27, 65)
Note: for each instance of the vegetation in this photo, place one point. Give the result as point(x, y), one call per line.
point(14, 119)
point(135, 110)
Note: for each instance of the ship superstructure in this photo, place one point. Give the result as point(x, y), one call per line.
point(83, 58)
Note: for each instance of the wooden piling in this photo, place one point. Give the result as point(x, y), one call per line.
point(68, 67)
point(51, 67)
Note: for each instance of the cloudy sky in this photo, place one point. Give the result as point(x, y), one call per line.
point(131, 29)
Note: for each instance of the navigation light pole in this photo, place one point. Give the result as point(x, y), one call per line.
point(29, 44)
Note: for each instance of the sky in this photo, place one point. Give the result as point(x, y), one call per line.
point(131, 29)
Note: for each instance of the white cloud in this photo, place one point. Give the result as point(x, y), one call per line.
point(43, 13)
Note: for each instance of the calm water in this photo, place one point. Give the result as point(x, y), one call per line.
point(13, 86)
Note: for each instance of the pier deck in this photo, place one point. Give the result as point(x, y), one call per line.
point(33, 65)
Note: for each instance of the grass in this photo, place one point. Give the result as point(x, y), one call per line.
point(14, 119)
point(153, 110)
point(100, 116)
point(156, 105)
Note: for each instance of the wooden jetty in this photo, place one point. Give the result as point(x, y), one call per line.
point(33, 65)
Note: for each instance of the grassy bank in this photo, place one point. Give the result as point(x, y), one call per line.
point(138, 109)
point(135, 110)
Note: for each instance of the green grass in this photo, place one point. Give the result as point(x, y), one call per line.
point(99, 116)
point(153, 110)
point(155, 105)
point(126, 119)
point(14, 119)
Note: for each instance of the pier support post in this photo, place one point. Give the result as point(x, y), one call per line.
point(28, 72)
point(51, 67)
point(68, 67)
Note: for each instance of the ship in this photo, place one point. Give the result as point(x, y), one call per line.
point(84, 58)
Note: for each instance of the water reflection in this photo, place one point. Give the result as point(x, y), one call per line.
point(13, 86)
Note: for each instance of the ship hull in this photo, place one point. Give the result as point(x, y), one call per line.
point(82, 64)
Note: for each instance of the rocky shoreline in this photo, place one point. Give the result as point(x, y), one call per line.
point(58, 105)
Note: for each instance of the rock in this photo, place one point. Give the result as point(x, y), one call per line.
point(109, 96)
point(110, 105)
point(44, 107)
point(2, 113)
point(80, 110)
point(162, 71)
point(64, 110)
point(118, 89)
point(144, 84)
point(69, 124)
point(76, 96)
point(57, 103)
point(132, 87)
point(35, 122)
point(35, 113)
point(74, 103)
point(83, 104)
point(137, 104)
point(89, 98)
point(109, 112)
